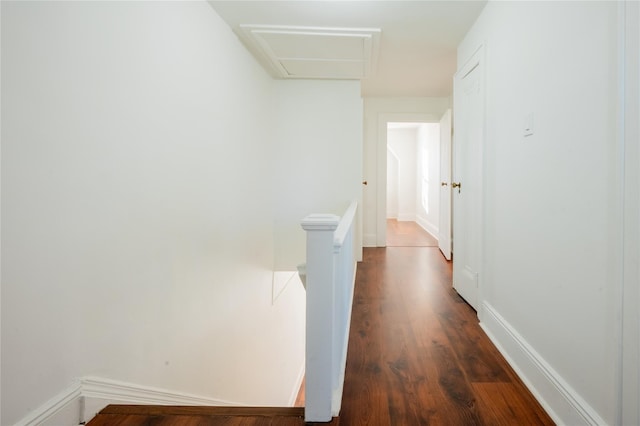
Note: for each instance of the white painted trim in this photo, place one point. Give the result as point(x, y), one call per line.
point(628, 368)
point(559, 399)
point(253, 35)
point(99, 392)
point(320, 318)
point(428, 226)
point(82, 400)
point(54, 407)
point(96, 387)
point(381, 165)
point(336, 400)
point(346, 223)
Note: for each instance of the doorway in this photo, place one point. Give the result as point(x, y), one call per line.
point(413, 176)
point(375, 198)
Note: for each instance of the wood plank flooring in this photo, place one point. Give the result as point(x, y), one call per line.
point(408, 234)
point(417, 356)
point(154, 415)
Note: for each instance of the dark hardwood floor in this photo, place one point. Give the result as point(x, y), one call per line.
point(417, 356)
point(154, 415)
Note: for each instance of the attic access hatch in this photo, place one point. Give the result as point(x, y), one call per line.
point(314, 52)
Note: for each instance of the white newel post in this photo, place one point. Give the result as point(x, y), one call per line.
point(320, 316)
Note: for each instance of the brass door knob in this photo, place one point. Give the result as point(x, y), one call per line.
point(443, 183)
point(456, 185)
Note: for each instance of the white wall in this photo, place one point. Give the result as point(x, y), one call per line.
point(377, 113)
point(403, 142)
point(393, 188)
point(137, 206)
point(428, 163)
point(630, 133)
point(551, 263)
point(318, 157)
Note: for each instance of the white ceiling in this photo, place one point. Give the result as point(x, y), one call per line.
point(418, 40)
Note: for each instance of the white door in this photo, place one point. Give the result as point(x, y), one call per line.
point(444, 228)
point(467, 178)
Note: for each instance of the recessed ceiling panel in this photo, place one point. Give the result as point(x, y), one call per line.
point(314, 46)
point(419, 53)
point(311, 52)
point(323, 69)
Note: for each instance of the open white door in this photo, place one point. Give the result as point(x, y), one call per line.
point(444, 229)
point(467, 178)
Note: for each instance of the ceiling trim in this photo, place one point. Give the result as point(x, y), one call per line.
point(314, 52)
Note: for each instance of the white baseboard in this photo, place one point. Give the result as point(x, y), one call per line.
point(96, 387)
point(62, 409)
point(559, 399)
point(99, 393)
point(428, 226)
point(83, 400)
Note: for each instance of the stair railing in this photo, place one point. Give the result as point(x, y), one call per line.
point(330, 278)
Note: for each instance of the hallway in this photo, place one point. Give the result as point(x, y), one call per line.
point(417, 355)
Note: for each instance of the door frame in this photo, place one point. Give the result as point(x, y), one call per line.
point(447, 253)
point(628, 369)
point(381, 164)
